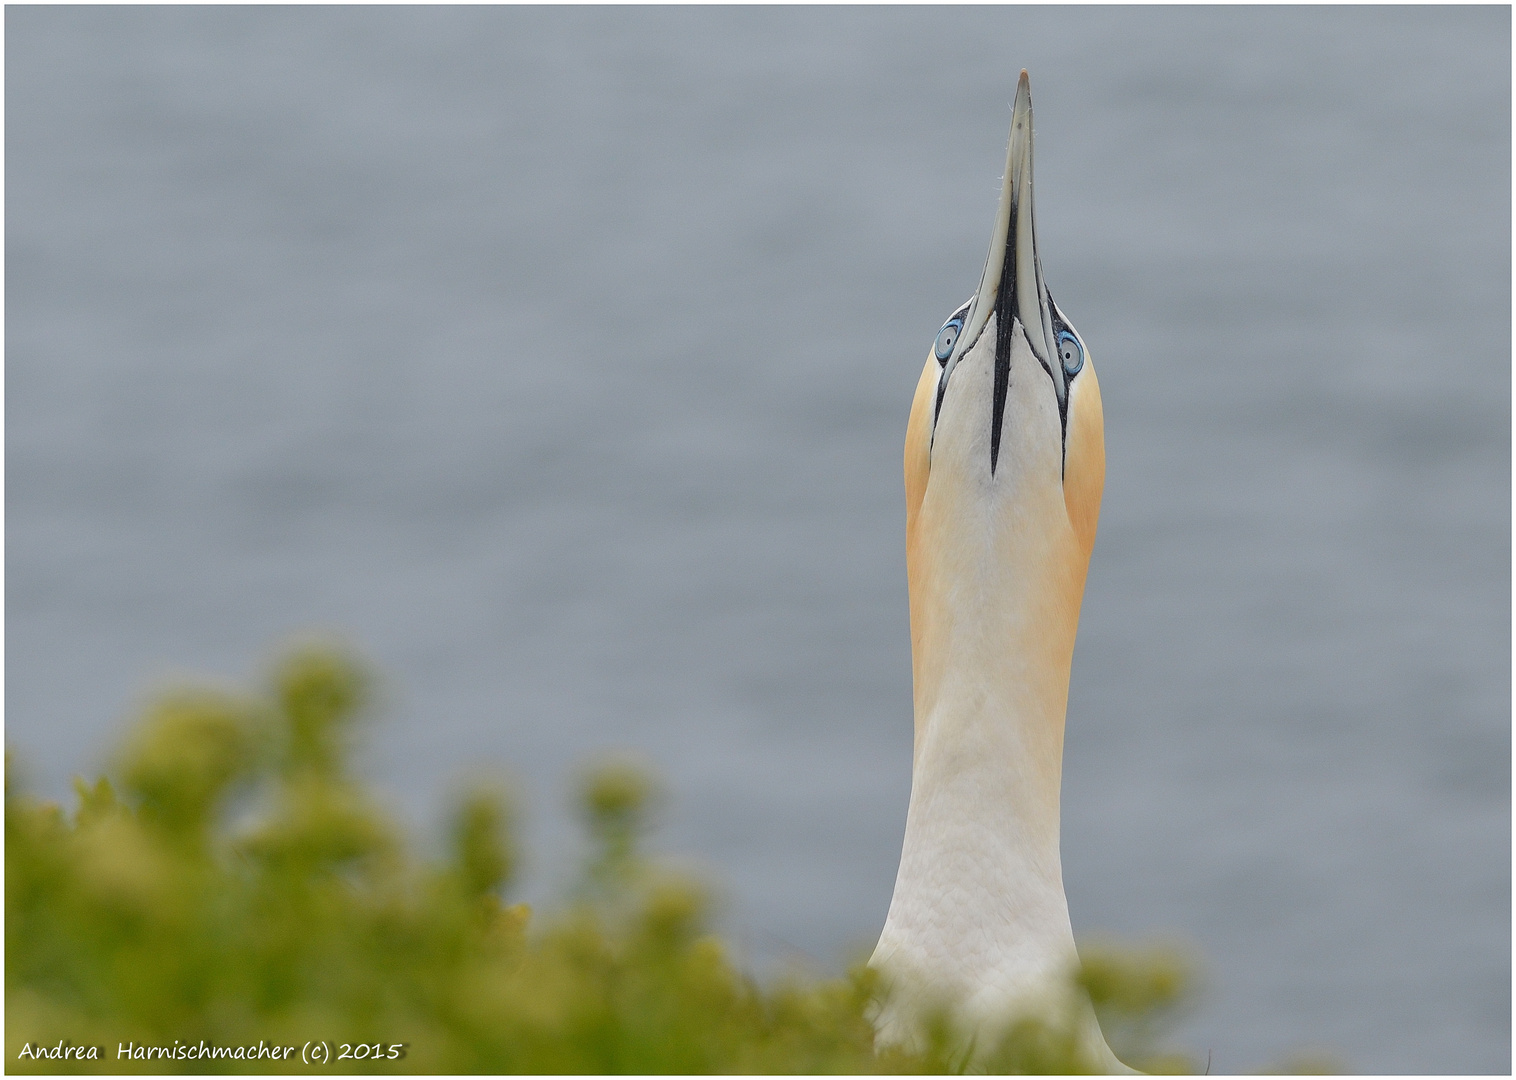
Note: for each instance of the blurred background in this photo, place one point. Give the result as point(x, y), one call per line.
point(560, 360)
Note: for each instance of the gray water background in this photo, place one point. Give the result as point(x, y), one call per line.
point(561, 358)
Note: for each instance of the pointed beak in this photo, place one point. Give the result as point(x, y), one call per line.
point(1012, 280)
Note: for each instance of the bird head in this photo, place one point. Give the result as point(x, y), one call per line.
point(1008, 404)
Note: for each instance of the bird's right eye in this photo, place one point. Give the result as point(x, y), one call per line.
point(1071, 352)
point(947, 337)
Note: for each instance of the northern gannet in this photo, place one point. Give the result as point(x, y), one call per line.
point(1004, 468)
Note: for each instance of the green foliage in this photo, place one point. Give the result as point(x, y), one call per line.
point(241, 888)
point(1137, 993)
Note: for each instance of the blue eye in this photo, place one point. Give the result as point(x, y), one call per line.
point(1071, 352)
point(947, 337)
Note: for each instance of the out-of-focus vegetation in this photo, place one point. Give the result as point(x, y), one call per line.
point(237, 887)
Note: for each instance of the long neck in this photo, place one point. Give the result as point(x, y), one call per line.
point(979, 901)
point(990, 701)
point(996, 576)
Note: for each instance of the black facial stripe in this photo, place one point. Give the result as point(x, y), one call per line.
point(1068, 381)
point(1005, 321)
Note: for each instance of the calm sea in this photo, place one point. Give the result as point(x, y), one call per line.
point(560, 358)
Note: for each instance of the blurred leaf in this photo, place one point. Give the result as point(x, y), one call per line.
point(482, 842)
point(320, 689)
point(96, 802)
point(1137, 992)
point(183, 757)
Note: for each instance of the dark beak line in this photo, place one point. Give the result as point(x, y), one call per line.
point(1008, 315)
point(1006, 318)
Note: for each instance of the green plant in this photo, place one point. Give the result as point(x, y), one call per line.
point(238, 888)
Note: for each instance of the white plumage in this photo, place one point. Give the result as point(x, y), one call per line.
point(1004, 466)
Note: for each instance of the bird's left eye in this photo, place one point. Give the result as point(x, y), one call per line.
point(1071, 352)
point(947, 337)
